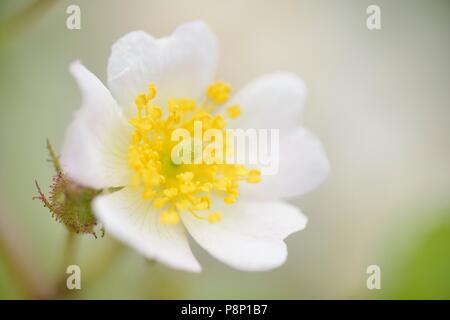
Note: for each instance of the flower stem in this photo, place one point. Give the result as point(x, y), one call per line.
point(94, 271)
point(69, 249)
point(68, 259)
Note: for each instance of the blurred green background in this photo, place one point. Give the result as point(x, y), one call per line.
point(378, 100)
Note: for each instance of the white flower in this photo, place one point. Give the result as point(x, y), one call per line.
point(106, 146)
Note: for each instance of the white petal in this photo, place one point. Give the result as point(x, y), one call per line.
point(303, 165)
point(250, 235)
point(272, 101)
point(95, 146)
point(180, 65)
point(133, 221)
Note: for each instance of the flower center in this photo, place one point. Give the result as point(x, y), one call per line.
point(173, 185)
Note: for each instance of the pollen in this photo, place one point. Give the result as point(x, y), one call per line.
point(254, 176)
point(214, 217)
point(170, 217)
point(234, 111)
point(174, 188)
point(219, 92)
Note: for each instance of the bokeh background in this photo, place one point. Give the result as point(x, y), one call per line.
point(378, 100)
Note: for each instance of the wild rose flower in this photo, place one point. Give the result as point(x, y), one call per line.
point(121, 139)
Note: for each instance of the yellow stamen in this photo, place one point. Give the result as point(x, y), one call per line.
point(234, 111)
point(254, 176)
point(172, 187)
point(151, 91)
point(214, 217)
point(141, 101)
point(170, 217)
point(219, 92)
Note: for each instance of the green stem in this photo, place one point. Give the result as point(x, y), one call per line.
point(68, 259)
point(94, 272)
point(69, 250)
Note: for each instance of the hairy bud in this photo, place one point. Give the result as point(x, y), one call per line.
point(68, 202)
